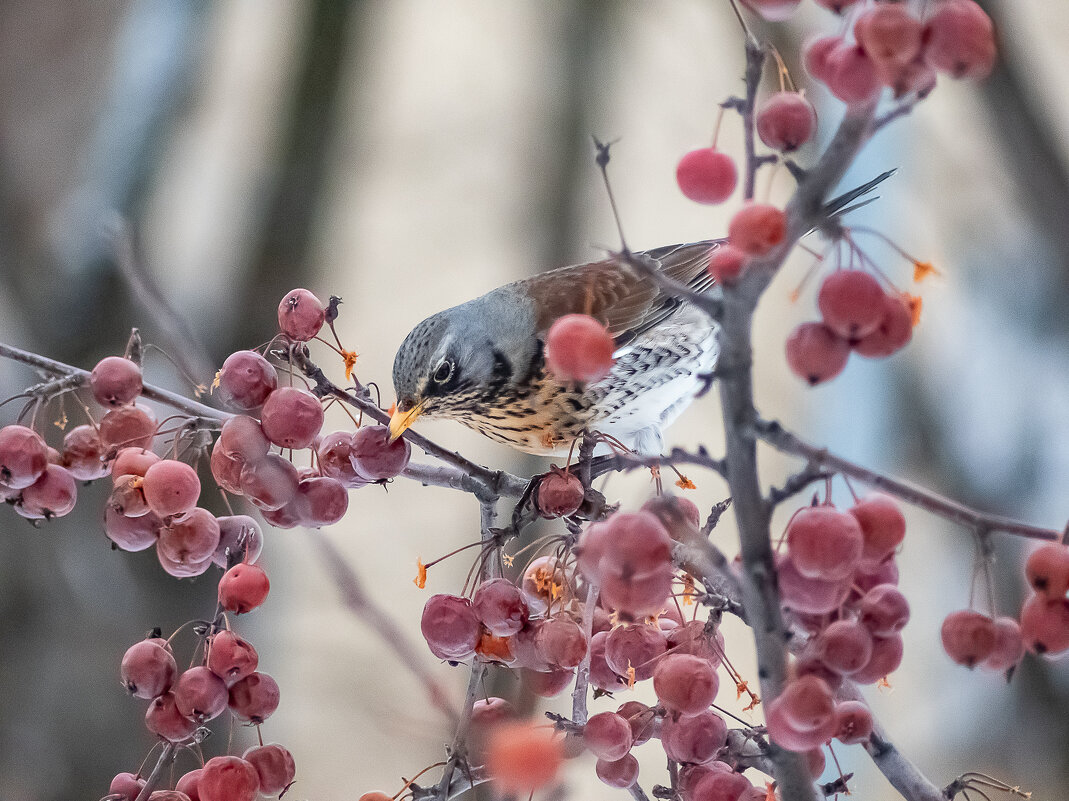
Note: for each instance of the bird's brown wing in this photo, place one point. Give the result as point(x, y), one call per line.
point(624, 300)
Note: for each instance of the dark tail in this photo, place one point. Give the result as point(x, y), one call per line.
point(841, 204)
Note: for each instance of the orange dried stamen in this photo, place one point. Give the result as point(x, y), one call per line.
point(630, 676)
point(922, 270)
point(685, 483)
point(349, 357)
point(215, 381)
point(884, 684)
point(770, 791)
point(421, 574)
point(689, 593)
point(915, 303)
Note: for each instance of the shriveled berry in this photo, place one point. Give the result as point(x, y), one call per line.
point(274, 766)
point(756, 228)
point(164, 720)
point(53, 494)
point(637, 647)
point(500, 606)
point(190, 538)
point(561, 641)
point(147, 669)
point(228, 778)
point(231, 657)
point(320, 501)
point(131, 533)
point(23, 456)
point(450, 626)
point(243, 438)
point(579, 348)
point(815, 353)
point(131, 426)
point(300, 315)
point(84, 454)
point(243, 588)
point(374, 457)
point(333, 451)
point(254, 698)
point(240, 539)
point(115, 381)
point(559, 494)
point(785, 121)
point(707, 175)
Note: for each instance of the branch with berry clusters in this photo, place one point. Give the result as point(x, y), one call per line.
point(610, 598)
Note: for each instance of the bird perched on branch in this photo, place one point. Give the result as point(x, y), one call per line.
point(483, 362)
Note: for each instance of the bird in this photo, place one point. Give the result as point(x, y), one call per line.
point(483, 363)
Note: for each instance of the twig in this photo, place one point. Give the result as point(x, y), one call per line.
point(626, 462)
point(358, 602)
point(781, 439)
point(458, 750)
point(582, 676)
point(755, 61)
point(172, 399)
point(811, 473)
point(166, 755)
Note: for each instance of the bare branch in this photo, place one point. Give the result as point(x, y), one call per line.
point(781, 439)
point(166, 755)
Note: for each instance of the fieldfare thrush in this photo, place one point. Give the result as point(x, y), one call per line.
point(482, 363)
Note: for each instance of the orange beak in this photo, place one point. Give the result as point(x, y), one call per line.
point(400, 421)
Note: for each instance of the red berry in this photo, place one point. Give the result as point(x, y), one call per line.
point(230, 657)
point(115, 381)
point(243, 438)
point(607, 735)
point(756, 228)
point(246, 379)
point(132, 462)
point(53, 494)
point(808, 703)
point(521, 757)
point(333, 453)
point(559, 494)
point(171, 487)
point(883, 527)
point(1009, 645)
point(561, 642)
point(199, 694)
point(547, 683)
point(784, 733)
point(190, 784)
point(579, 348)
point(824, 543)
point(131, 426)
point(883, 610)
point(23, 456)
point(786, 121)
point(243, 588)
point(845, 646)
point(84, 454)
point(270, 483)
point(851, 74)
point(960, 40)
point(1044, 626)
point(320, 501)
point(685, 683)
point(851, 303)
point(450, 626)
point(893, 332)
point(164, 720)
point(707, 175)
point(694, 738)
point(291, 417)
point(721, 785)
point(228, 778)
point(500, 606)
point(886, 657)
point(815, 353)
point(131, 533)
point(1047, 570)
point(968, 637)
point(189, 539)
point(300, 315)
point(226, 470)
point(815, 596)
point(727, 263)
point(127, 785)
point(635, 647)
point(817, 56)
point(622, 772)
point(274, 767)
point(853, 722)
point(374, 457)
point(148, 669)
point(838, 6)
point(254, 698)
point(889, 34)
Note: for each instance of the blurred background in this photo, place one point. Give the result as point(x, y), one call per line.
point(409, 155)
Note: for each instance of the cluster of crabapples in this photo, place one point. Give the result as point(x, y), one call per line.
point(181, 703)
point(838, 582)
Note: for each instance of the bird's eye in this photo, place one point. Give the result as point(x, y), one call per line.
point(443, 371)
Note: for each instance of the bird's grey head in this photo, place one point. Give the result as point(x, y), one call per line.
point(462, 356)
